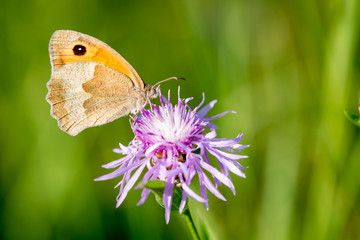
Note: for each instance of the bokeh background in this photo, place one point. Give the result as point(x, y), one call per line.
point(288, 68)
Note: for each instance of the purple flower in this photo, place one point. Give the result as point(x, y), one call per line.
point(171, 144)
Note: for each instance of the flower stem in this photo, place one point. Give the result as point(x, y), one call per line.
point(190, 224)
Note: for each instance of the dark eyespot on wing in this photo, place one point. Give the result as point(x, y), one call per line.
point(79, 50)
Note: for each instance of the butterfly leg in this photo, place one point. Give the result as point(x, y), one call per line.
point(132, 122)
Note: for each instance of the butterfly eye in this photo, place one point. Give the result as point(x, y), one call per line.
point(79, 50)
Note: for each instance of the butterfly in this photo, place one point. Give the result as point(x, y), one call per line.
point(91, 84)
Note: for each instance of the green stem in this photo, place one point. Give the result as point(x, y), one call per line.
point(190, 224)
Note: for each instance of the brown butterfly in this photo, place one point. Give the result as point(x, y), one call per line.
point(91, 84)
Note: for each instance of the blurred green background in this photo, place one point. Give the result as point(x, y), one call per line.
point(288, 68)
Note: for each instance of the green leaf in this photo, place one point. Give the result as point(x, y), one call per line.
point(176, 200)
point(353, 118)
point(177, 196)
point(155, 186)
point(160, 200)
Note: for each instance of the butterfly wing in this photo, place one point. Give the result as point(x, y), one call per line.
point(86, 94)
point(68, 46)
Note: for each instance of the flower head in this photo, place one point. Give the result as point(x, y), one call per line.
point(171, 144)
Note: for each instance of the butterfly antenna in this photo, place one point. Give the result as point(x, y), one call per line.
point(168, 79)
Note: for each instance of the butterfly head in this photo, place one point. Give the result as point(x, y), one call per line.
point(152, 91)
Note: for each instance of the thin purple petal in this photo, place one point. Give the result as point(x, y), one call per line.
point(217, 116)
point(167, 198)
point(225, 180)
point(192, 194)
point(129, 185)
point(202, 112)
point(144, 194)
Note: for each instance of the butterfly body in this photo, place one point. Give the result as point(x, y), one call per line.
point(91, 84)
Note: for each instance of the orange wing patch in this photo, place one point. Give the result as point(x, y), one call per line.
point(69, 46)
